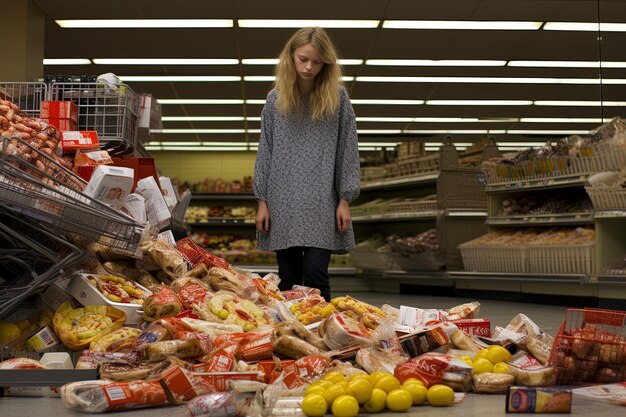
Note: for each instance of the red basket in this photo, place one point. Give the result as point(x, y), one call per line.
point(196, 255)
point(590, 347)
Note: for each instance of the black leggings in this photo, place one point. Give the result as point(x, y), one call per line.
point(300, 265)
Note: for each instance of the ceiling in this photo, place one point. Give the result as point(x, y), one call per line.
point(363, 44)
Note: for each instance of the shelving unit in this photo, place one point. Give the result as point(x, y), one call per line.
point(395, 217)
point(554, 219)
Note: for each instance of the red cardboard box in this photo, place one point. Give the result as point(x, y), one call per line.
point(178, 385)
point(62, 124)
point(59, 110)
point(219, 380)
point(475, 327)
point(71, 141)
point(144, 167)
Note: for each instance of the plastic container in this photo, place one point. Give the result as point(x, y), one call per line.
point(494, 258)
point(562, 259)
point(607, 198)
point(57, 360)
point(88, 295)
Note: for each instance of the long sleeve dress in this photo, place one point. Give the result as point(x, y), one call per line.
point(303, 168)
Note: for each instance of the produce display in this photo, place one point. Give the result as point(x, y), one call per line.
point(395, 205)
point(197, 213)
point(522, 237)
point(216, 185)
point(412, 253)
point(542, 204)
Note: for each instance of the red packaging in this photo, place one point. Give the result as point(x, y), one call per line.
point(91, 159)
point(188, 314)
point(475, 327)
point(196, 255)
point(192, 294)
point(428, 368)
point(238, 338)
point(217, 404)
point(71, 141)
point(347, 355)
point(219, 380)
point(179, 384)
point(59, 110)
point(415, 344)
point(132, 395)
point(258, 348)
point(221, 361)
point(172, 324)
point(62, 124)
point(143, 167)
point(205, 340)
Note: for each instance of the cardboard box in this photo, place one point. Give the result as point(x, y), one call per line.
point(144, 167)
point(59, 110)
point(178, 385)
point(169, 193)
point(73, 140)
point(418, 343)
point(42, 340)
point(475, 327)
point(219, 380)
point(62, 124)
point(156, 207)
point(91, 159)
point(110, 185)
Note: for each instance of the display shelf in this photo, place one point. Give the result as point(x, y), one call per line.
point(607, 279)
point(45, 377)
point(394, 217)
point(542, 219)
point(223, 222)
point(503, 276)
point(273, 269)
point(538, 184)
point(418, 275)
point(465, 213)
point(610, 214)
point(222, 197)
point(401, 182)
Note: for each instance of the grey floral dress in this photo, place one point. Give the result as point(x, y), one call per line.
point(303, 168)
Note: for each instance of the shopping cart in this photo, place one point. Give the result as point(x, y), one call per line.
point(28, 96)
point(48, 192)
point(112, 110)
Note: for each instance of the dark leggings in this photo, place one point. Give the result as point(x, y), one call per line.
point(300, 265)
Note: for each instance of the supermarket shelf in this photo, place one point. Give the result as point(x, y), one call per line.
point(542, 219)
point(222, 197)
point(465, 213)
point(223, 222)
point(402, 182)
point(607, 279)
point(538, 184)
point(418, 275)
point(269, 269)
point(395, 217)
point(610, 214)
point(503, 276)
point(45, 377)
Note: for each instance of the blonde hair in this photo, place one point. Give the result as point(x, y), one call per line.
point(324, 99)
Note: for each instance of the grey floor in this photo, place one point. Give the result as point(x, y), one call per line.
point(499, 313)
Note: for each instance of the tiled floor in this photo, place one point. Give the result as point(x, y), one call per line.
point(499, 313)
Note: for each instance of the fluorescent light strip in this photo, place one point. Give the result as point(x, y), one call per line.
point(299, 23)
point(197, 148)
point(385, 119)
point(144, 23)
point(379, 131)
point(568, 64)
point(271, 78)
point(274, 61)
point(546, 132)
point(490, 80)
point(202, 118)
point(184, 131)
point(561, 120)
point(460, 25)
point(479, 103)
point(255, 101)
point(386, 102)
point(585, 26)
point(437, 119)
point(459, 132)
point(580, 103)
point(434, 63)
point(179, 78)
point(200, 101)
point(431, 144)
point(66, 61)
point(164, 61)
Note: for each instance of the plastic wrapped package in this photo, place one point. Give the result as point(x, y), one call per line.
point(341, 331)
point(101, 396)
point(436, 368)
point(165, 303)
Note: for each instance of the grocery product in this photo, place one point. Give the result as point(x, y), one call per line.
point(491, 383)
point(538, 400)
point(76, 328)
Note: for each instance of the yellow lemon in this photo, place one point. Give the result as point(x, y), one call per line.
point(375, 376)
point(377, 402)
point(314, 405)
point(361, 389)
point(345, 406)
point(314, 389)
point(334, 377)
point(411, 381)
point(417, 390)
point(388, 383)
point(481, 354)
point(324, 383)
point(8, 332)
point(482, 365)
point(358, 375)
point(333, 392)
point(440, 395)
point(497, 354)
point(399, 400)
point(501, 368)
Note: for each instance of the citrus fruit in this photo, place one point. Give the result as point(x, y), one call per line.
point(377, 402)
point(399, 400)
point(466, 358)
point(314, 405)
point(375, 376)
point(333, 392)
point(388, 383)
point(417, 390)
point(482, 365)
point(334, 377)
point(343, 383)
point(324, 383)
point(481, 354)
point(411, 380)
point(345, 406)
point(358, 375)
point(361, 389)
point(8, 332)
point(314, 389)
point(501, 368)
point(440, 395)
point(497, 354)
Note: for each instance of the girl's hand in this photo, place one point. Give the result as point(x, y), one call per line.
point(263, 218)
point(343, 216)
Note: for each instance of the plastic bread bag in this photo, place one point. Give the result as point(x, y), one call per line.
point(217, 404)
point(158, 351)
point(374, 359)
point(342, 331)
point(436, 368)
point(165, 303)
point(297, 329)
point(464, 311)
point(101, 396)
point(492, 383)
point(211, 328)
point(166, 257)
point(523, 324)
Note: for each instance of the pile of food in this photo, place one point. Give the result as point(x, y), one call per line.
point(217, 185)
point(544, 204)
point(198, 213)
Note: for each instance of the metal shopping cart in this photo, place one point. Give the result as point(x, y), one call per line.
point(28, 96)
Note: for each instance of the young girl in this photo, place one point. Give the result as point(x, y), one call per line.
point(307, 166)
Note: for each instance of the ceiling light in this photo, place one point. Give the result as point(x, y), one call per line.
point(174, 143)
point(580, 103)
point(464, 120)
point(585, 26)
point(202, 118)
point(271, 78)
point(165, 61)
point(274, 61)
point(379, 131)
point(225, 144)
point(161, 131)
point(440, 144)
point(385, 101)
point(435, 63)
point(253, 119)
point(66, 61)
point(492, 80)
point(561, 120)
point(144, 23)
point(255, 101)
point(348, 62)
point(460, 25)
point(547, 132)
point(292, 23)
point(385, 119)
point(459, 132)
point(197, 148)
point(479, 102)
point(179, 78)
point(555, 64)
point(254, 131)
point(199, 101)
point(386, 144)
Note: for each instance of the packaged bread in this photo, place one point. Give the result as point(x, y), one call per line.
point(158, 351)
point(463, 341)
point(120, 340)
point(180, 283)
point(76, 328)
point(297, 329)
point(533, 377)
point(492, 383)
point(292, 347)
point(165, 303)
point(166, 257)
point(124, 371)
point(383, 360)
point(341, 331)
point(95, 396)
point(537, 348)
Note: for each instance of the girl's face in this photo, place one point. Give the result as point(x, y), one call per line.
point(308, 62)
